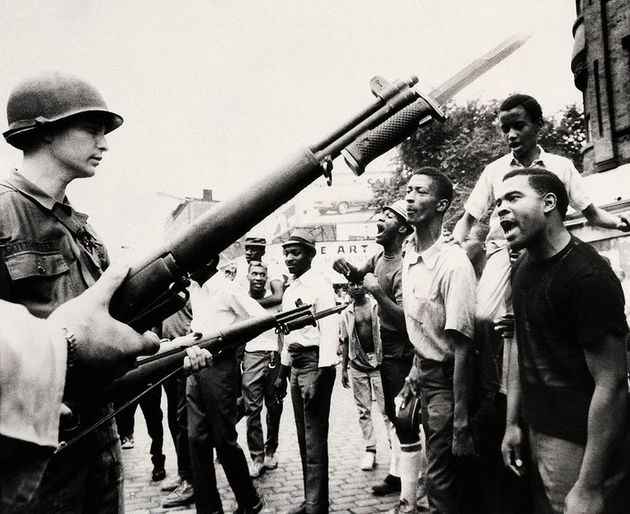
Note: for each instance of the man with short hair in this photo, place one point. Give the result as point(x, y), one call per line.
point(311, 353)
point(520, 120)
point(568, 377)
point(381, 275)
point(362, 352)
point(211, 394)
point(261, 364)
point(438, 297)
point(49, 254)
point(255, 250)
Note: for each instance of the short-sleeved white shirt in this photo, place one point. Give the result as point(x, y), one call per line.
point(438, 295)
point(483, 196)
point(312, 288)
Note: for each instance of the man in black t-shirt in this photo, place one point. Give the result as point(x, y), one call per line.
point(568, 376)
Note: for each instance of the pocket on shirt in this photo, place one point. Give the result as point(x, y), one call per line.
point(35, 264)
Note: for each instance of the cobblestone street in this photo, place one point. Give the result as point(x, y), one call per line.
point(350, 488)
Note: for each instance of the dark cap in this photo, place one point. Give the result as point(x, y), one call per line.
point(301, 237)
point(255, 241)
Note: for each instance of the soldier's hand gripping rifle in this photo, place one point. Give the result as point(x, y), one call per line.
point(168, 362)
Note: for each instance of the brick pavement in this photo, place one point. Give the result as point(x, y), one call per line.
point(350, 488)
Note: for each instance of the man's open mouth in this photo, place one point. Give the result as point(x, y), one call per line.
point(508, 225)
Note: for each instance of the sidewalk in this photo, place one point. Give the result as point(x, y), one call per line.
point(350, 488)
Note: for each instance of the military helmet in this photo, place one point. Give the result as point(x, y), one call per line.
point(48, 98)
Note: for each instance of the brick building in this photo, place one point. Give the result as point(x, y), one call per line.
point(601, 69)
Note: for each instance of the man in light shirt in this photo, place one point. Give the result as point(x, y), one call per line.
point(311, 353)
point(211, 394)
point(439, 301)
point(261, 364)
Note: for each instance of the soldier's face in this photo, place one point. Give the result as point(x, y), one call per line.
point(78, 146)
point(297, 258)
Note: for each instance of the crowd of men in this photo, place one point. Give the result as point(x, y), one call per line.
point(501, 362)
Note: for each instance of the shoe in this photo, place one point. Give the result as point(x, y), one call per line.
point(403, 507)
point(183, 494)
point(390, 485)
point(170, 486)
point(253, 509)
point(158, 473)
point(368, 461)
point(126, 443)
point(256, 469)
point(271, 461)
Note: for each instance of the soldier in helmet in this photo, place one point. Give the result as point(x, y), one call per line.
point(50, 254)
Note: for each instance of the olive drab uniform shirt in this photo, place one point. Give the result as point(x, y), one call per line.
point(49, 255)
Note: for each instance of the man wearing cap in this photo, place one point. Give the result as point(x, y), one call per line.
point(50, 254)
point(381, 276)
point(311, 353)
point(255, 248)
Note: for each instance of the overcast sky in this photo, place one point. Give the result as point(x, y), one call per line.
point(216, 93)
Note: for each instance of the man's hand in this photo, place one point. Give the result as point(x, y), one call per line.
point(584, 500)
point(105, 348)
point(345, 380)
point(504, 326)
point(370, 282)
point(511, 449)
point(403, 397)
point(623, 224)
point(280, 384)
point(342, 266)
point(463, 445)
point(196, 359)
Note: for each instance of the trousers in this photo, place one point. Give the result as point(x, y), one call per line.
point(211, 395)
point(257, 387)
point(177, 417)
point(365, 386)
point(311, 390)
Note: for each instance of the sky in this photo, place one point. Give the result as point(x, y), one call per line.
point(217, 93)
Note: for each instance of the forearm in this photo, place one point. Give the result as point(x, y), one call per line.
point(344, 354)
point(276, 295)
point(389, 307)
point(463, 226)
point(601, 218)
point(460, 381)
point(513, 387)
point(604, 430)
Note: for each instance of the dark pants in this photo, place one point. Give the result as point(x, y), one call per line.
point(258, 379)
point(311, 421)
point(443, 488)
point(152, 411)
point(85, 478)
point(212, 412)
point(492, 488)
point(175, 390)
point(393, 373)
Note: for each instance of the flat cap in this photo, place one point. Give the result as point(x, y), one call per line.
point(301, 237)
point(255, 241)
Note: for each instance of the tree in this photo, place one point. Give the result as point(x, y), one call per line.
point(467, 141)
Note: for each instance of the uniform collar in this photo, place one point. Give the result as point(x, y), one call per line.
point(33, 191)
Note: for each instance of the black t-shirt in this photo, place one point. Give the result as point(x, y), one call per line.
point(562, 306)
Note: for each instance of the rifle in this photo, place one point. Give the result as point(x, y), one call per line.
point(156, 285)
point(168, 362)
